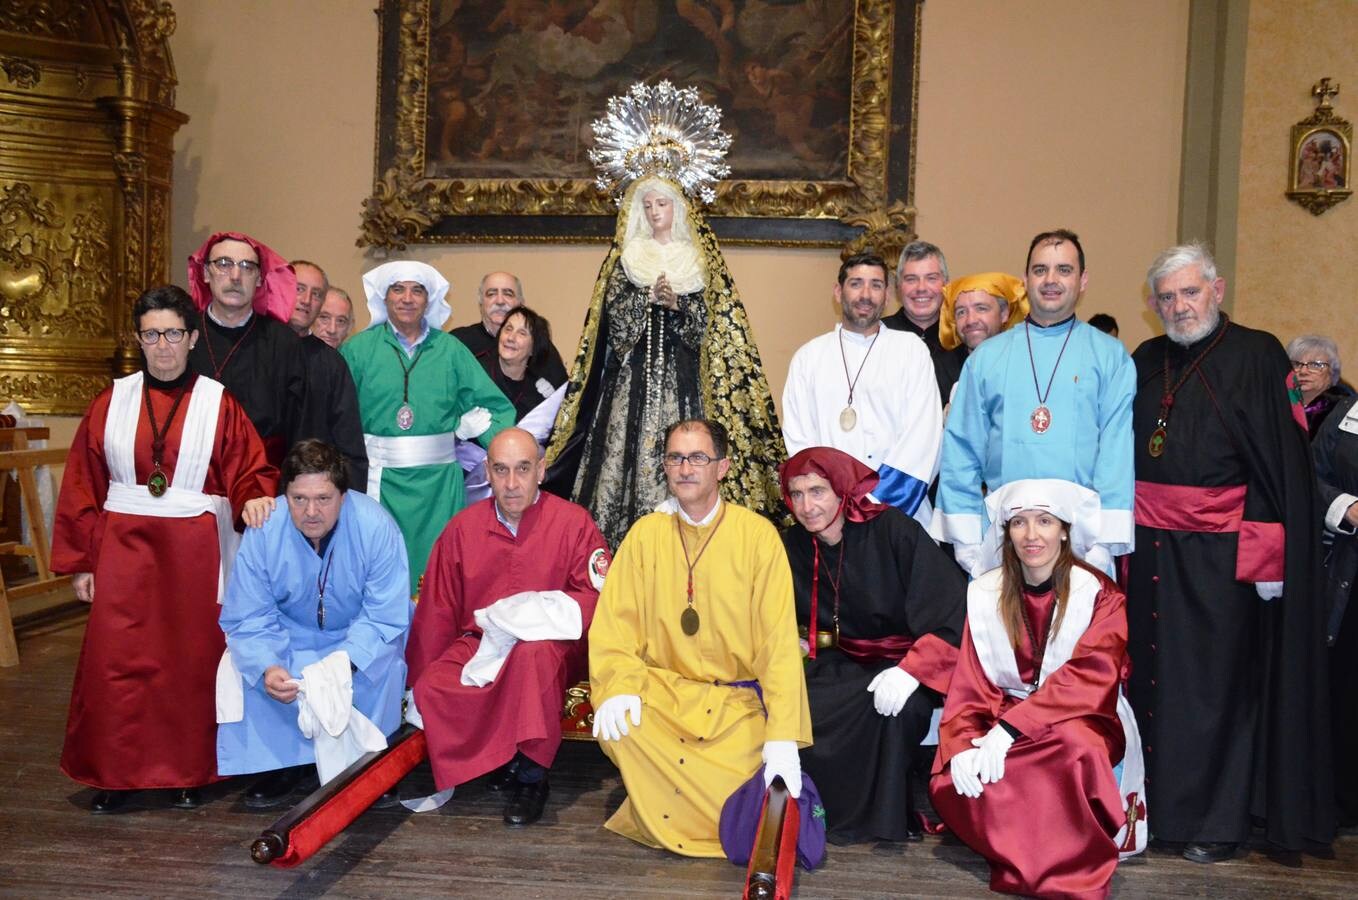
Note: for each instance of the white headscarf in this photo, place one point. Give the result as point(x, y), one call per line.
point(1077, 506)
point(377, 281)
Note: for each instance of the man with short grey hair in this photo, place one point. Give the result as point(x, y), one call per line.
point(336, 318)
point(1225, 621)
point(498, 294)
point(921, 275)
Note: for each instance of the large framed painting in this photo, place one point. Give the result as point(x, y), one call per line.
point(485, 108)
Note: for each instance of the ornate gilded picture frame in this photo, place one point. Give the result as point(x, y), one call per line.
point(484, 112)
point(1320, 167)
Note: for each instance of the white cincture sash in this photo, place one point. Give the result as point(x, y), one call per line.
point(404, 452)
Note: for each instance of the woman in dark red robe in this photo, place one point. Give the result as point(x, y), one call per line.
point(1034, 723)
point(140, 528)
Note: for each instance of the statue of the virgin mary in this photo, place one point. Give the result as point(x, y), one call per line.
point(666, 337)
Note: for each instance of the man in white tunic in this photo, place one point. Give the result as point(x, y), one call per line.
point(869, 391)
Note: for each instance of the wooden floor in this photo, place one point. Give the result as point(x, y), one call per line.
point(50, 846)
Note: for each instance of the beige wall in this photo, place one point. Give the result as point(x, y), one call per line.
point(1296, 272)
point(1032, 115)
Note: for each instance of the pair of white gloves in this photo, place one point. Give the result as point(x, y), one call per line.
point(982, 764)
point(781, 759)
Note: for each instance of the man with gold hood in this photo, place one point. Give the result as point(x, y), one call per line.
point(978, 306)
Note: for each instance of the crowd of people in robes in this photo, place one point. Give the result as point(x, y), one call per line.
point(998, 561)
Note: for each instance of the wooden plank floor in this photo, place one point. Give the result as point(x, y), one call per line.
point(50, 846)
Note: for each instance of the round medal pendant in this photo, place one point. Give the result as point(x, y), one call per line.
point(1041, 419)
point(157, 483)
point(405, 417)
point(1156, 447)
point(848, 419)
point(689, 621)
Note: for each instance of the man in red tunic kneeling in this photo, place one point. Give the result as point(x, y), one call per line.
point(499, 629)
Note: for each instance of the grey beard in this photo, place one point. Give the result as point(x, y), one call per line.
point(1189, 338)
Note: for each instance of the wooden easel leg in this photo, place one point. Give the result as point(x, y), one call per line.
point(9, 648)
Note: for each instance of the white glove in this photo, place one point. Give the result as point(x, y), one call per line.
point(781, 760)
point(891, 689)
point(1268, 590)
point(473, 423)
point(1098, 556)
point(991, 751)
point(412, 714)
point(610, 719)
point(973, 558)
point(964, 777)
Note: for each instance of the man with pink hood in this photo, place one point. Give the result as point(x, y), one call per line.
point(290, 389)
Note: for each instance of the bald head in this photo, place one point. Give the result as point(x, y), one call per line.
point(515, 468)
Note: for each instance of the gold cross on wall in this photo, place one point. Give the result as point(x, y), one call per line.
point(1323, 90)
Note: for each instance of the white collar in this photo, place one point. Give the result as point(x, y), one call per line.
point(513, 528)
point(241, 324)
point(670, 506)
point(862, 340)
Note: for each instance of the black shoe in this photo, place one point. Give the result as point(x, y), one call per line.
point(392, 797)
point(187, 798)
point(526, 805)
point(503, 778)
point(274, 788)
point(1209, 852)
point(914, 831)
point(109, 802)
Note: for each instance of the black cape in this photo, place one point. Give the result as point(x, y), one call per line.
point(1335, 452)
point(1229, 690)
point(291, 388)
point(947, 363)
point(524, 394)
point(482, 344)
point(895, 581)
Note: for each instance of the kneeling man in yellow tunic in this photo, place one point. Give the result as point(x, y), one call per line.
point(695, 667)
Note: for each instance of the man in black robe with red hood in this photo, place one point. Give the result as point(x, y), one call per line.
point(878, 663)
point(1225, 620)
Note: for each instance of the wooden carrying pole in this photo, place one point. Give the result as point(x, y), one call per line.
point(774, 857)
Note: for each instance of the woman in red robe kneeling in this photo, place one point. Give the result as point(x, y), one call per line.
point(1034, 722)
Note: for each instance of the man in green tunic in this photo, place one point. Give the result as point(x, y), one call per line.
point(419, 391)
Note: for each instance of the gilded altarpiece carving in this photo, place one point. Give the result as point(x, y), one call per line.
point(87, 123)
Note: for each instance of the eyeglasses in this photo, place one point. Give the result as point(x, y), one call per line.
point(697, 460)
point(1314, 365)
point(224, 265)
point(151, 336)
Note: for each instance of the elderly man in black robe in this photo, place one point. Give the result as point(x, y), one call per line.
point(1225, 619)
point(879, 662)
point(290, 388)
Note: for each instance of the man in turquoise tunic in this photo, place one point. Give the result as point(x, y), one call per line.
point(1049, 398)
point(420, 390)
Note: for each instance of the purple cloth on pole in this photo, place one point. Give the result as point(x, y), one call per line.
point(739, 822)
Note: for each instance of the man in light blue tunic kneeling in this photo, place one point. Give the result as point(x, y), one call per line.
point(318, 604)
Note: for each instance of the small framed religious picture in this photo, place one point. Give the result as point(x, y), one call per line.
point(1320, 172)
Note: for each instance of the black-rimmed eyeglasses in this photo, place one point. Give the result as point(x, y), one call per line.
point(151, 336)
